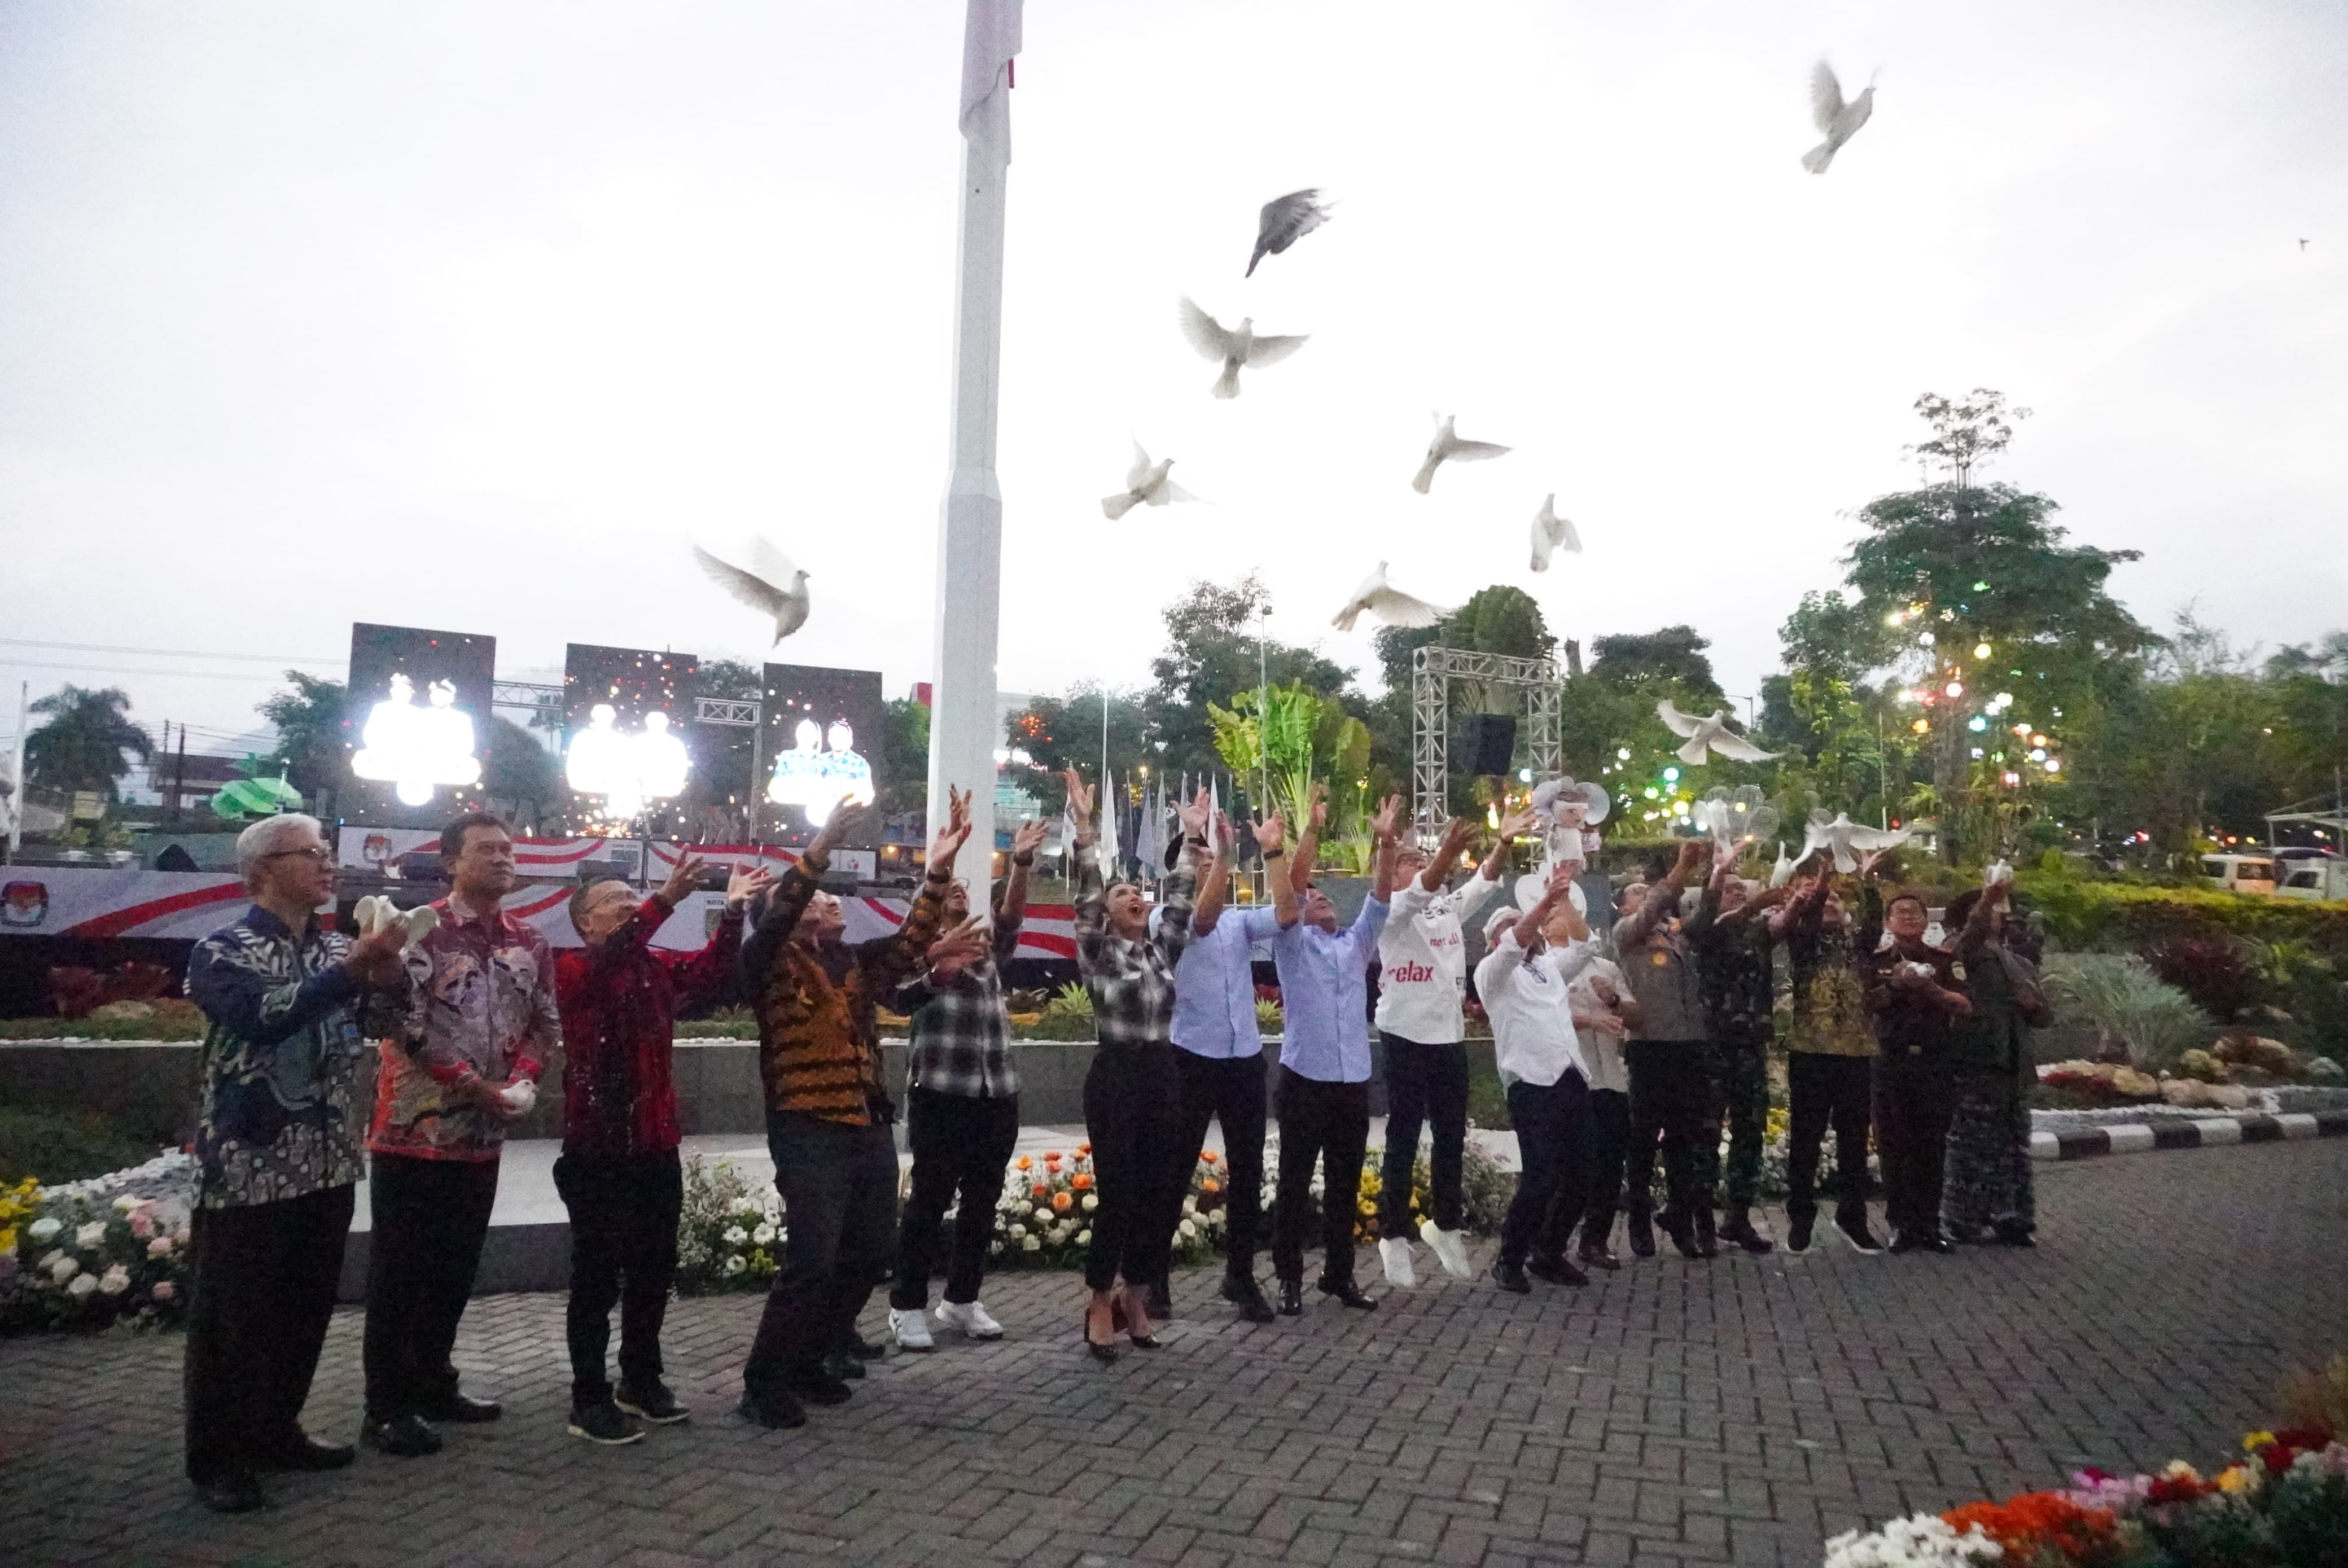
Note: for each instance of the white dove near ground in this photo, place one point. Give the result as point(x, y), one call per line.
point(1285, 220)
point(1213, 340)
point(1145, 484)
point(771, 585)
point(1705, 736)
point(1552, 533)
point(1448, 448)
point(1389, 604)
point(1846, 840)
point(1837, 121)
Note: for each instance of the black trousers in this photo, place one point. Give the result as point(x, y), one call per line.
point(1425, 1085)
point(1231, 1088)
point(1826, 1090)
point(1553, 1141)
point(624, 1214)
point(1610, 1147)
point(1914, 1099)
point(1133, 1106)
point(839, 1187)
point(429, 1218)
point(1329, 1123)
point(263, 1287)
point(961, 1144)
point(1669, 1087)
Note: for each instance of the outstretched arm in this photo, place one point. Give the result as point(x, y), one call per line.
point(1215, 889)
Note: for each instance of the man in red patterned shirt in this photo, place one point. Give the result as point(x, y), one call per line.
point(619, 1174)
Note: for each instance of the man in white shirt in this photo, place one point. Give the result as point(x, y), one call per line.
point(1422, 981)
point(1523, 982)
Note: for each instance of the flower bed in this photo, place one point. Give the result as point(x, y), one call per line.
point(93, 1253)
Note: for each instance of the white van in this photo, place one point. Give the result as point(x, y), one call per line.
point(2242, 873)
point(2317, 880)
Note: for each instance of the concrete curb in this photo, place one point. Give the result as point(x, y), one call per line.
point(2180, 1132)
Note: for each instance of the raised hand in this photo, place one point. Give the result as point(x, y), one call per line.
point(1223, 838)
point(746, 883)
point(1382, 826)
point(1080, 805)
point(846, 817)
point(682, 878)
point(1691, 856)
point(1516, 824)
point(1028, 837)
point(1457, 834)
point(1194, 814)
point(957, 949)
point(952, 836)
point(1272, 834)
point(1320, 815)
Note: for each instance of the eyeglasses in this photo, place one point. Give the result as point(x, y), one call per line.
point(318, 854)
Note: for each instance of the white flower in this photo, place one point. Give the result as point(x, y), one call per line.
point(1084, 1238)
point(1187, 1230)
point(994, 1247)
point(1190, 1205)
point(116, 1280)
point(49, 1259)
point(763, 1234)
point(64, 1269)
point(1041, 1211)
point(90, 1235)
point(1092, 1202)
point(736, 1263)
point(82, 1285)
point(160, 1247)
point(733, 1235)
point(1017, 1229)
point(1923, 1541)
point(125, 1203)
point(42, 1229)
point(748, 1208)
point(1031, 1245)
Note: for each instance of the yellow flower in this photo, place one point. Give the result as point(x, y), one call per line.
point(2257, 1440)
point(2181, 1471)
point(2236, 1479)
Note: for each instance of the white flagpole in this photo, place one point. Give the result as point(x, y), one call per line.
point(964, 727)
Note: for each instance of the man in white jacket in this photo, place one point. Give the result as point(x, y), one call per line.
point(1523, 980)
point(1422, 981)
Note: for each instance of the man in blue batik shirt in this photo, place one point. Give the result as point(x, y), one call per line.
point(280, 1151)
point(1323, 1097)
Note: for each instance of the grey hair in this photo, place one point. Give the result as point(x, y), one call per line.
point(263, 838)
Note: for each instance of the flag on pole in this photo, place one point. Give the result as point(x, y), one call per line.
point(991, 36)
point(1112, 807)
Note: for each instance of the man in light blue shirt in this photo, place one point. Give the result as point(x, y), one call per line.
point(1323, 1094)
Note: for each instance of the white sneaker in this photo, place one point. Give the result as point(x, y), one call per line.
point(971, 1317)
point(1449, 1247)
point(1396, 1255)
point(911, 1329)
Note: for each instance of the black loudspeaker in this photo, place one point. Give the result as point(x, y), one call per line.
point(1486, 742)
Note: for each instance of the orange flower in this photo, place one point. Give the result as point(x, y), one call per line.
point(2035, 1520)
point(1206, 1157)
point(1081, 1180)
point(1210, 1185)
point(1051, 1154)
point(1084, 1149)
point(1060, 1201)
point(1023, 1164)
point(1039, 1190)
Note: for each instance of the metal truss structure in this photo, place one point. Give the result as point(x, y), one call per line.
point(1433, 669)
point(740, 711)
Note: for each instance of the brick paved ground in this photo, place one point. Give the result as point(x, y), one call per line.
point(1736, 1411)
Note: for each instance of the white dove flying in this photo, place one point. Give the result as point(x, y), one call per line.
point(1448, 448)
point(1837, 121)
point(1708, 734)
point(1145, 484)
point(771, 585)
point(1552, 533)
point(1783, 872)
point(1846, 840)
point(1737, 816)
point(1392, 605)
point(1213, 340)
point(1285, 220)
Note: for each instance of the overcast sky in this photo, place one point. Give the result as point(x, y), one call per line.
point(473, 316)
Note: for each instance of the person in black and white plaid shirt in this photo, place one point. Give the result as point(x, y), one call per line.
point(962, 1108)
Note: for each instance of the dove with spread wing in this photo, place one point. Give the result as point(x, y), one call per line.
point(1552, 533)
point(1737, 816)
point(1145, 484)
point(1705, 736)
point(1845, 840)
point(1285, 220)
point(1446, 448)
point(1213, 340)
point(1389, 604)
point(771, 585)
point(1837, 121)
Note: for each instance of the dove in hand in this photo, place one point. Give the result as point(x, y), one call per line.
point(1389, 604)
point(1705, 736)
point(1213, 340)
point(1846, 840)
point(1285, 220)
point(771, 585)
point(1837, 121)
point(1145, 484)
point(1783, 872)
point(1552, 533)
point(1448, 448)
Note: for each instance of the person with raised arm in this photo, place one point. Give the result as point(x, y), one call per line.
point(1830, 1062)
point(1734, 943)
point(1988, 1194)
point(1525, 982)
point(1665, 1054)
point(1913, 992)
point(828, 1115)
point(1323, 1097)
point(1423, 1033)
point(1603, 1013)
point(1133, 1092)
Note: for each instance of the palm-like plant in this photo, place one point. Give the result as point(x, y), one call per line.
point(87, 742)
point(2129, 1005)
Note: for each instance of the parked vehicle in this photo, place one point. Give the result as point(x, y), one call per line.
point(2242, 873)
point(2313, 878)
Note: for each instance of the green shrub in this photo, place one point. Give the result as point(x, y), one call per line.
point(56, 1144)
point(2132, 1007)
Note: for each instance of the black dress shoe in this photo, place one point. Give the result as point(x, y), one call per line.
point(406, 1438)
point(1291, 1298)
point(1349, 1292)
point(1510, 1277)
point(844, 1365)
point(1241, 1291)
point(1159, 1303)
point(1556, 1271)
point(1738, 1231)
point(817, 1386)
point(231, 1491)
point(1676, 1225)
point(774, 1409)
point(1601, 1257)
point(864, 1349)
point(2013, 1233)
point(307, 1453)
point(1641, 1231)
point(462, 1408)
point(653, 1402)
point(1920, 1241)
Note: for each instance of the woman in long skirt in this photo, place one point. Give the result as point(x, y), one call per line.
point(1987, 1194)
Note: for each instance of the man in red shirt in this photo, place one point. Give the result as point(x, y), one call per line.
point(619, 1173)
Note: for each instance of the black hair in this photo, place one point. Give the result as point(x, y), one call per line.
point(578, 905)
point(1961, 909)
point(1908, 895)
point(452, 837)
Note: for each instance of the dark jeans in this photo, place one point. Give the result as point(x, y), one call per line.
point(1133, 1102)
point(839, 1187)
point(624, 1214)
point(263, 1287)
point(1330, 1122)
point(1232, 1089)
point(961, 1144)
point(1425, 1085)
point(429, 1218)
point(1669, 1086)
point(1826, 1090)
point(1610, 1147)
point(1553, 1123)
point(1914, 1099)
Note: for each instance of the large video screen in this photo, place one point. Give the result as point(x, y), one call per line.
point(417, 722)
point(823, 741)
point(628, 733)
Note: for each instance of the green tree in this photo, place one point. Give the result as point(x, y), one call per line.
point(309, 724)
point(1671, 661)
point(522, 780)
point(1057, 732)
point(87, 740)
point(1212, 652)
point(905, 759)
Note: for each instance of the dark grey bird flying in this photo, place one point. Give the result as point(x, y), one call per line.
point(1286, 219)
